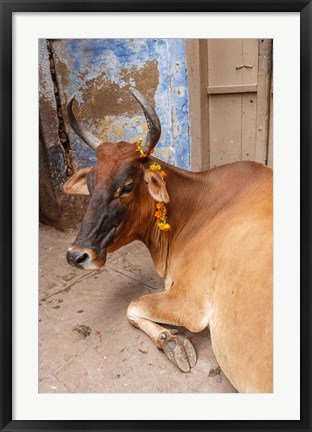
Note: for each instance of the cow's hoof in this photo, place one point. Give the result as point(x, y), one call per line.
point(181, 352)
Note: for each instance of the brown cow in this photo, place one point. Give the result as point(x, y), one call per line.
point(216, 260)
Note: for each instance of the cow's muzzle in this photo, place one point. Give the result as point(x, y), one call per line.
point(85, 259)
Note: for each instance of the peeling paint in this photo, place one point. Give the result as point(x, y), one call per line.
point(101, 72)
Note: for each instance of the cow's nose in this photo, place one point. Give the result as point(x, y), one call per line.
point(77, 258)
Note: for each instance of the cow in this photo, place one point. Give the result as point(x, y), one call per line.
point(211, 242)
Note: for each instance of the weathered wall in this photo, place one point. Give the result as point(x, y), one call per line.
point(55, 207)
point(100, 72)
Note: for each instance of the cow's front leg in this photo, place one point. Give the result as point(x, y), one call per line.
point(163, 308)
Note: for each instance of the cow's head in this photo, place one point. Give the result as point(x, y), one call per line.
point(120, 202)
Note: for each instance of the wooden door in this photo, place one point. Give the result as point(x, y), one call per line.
point(229, 89)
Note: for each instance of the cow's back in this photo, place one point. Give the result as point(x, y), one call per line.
point(227, 265)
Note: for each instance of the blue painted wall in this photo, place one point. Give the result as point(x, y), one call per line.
point(101, 70)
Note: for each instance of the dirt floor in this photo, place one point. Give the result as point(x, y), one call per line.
point(85, 341)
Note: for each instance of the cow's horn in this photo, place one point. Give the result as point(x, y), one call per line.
point(80, 130)
point(153, 123)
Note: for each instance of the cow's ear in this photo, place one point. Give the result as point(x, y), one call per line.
point(156, 186)
point(77, 184)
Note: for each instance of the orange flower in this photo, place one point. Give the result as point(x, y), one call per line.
point(166, 227)
point(155, 167)
point(158, 214)
point(140, 149)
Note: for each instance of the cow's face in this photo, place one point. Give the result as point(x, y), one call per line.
point(120, 204)
point(122, 190)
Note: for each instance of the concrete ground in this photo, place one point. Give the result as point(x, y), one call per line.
point(86, 344)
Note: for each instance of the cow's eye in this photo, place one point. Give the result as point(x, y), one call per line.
point(127, 188)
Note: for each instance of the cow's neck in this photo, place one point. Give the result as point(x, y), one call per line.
point(184, 189)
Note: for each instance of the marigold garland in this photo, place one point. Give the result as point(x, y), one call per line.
point(161, 213)
point(140, 148)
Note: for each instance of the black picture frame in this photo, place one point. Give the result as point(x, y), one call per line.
point(7, 9)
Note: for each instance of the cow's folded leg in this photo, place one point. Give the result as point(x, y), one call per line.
point(178, 349)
